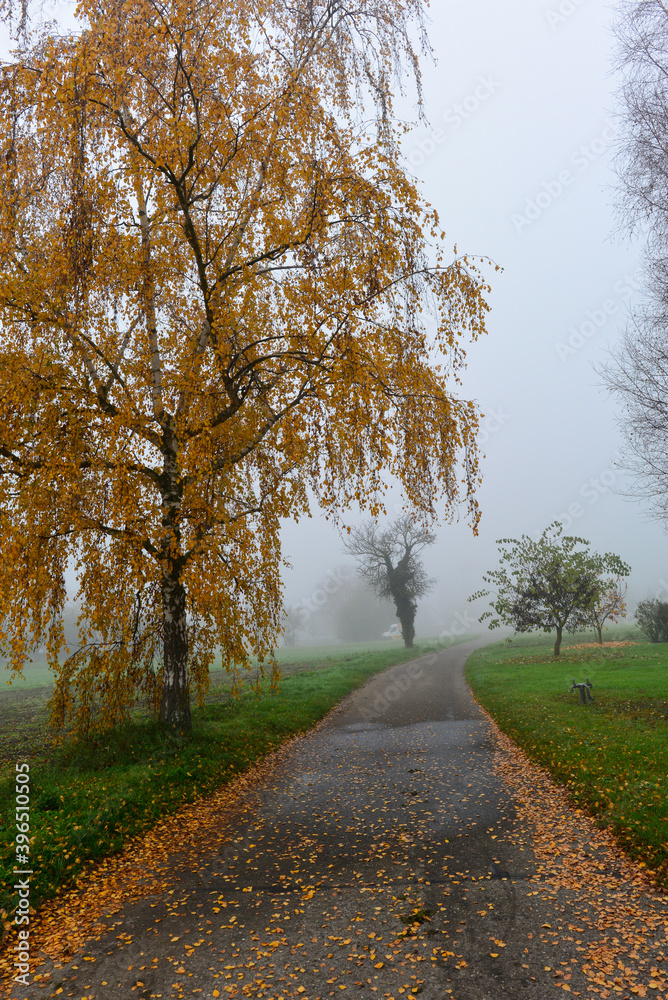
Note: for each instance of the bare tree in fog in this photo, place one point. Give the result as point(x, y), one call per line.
point(388, 562)
point(637, 372)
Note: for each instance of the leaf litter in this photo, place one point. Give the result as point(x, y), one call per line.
point(390, 937)
point(608, 893)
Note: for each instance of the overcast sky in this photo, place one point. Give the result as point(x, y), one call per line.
point(518, 165)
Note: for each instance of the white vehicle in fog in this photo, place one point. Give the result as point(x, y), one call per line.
point(393, 632)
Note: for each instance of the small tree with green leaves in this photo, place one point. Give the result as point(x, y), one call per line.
point(552, 584)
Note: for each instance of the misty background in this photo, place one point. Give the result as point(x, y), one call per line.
point(517, 159)
point(518, 162)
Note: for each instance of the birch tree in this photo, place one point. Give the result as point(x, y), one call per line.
point(222, 301)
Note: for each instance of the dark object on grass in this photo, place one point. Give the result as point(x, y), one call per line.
point(584, 689)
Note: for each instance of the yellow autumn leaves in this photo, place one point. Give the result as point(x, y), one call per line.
point(212, 287)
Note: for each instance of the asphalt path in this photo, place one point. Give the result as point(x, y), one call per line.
point(379, 857)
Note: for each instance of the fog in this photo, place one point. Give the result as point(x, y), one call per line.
point(518, 164)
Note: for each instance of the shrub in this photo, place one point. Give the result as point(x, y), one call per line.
point(652, 617)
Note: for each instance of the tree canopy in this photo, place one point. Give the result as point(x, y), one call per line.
point(220, 296)
point(551, 584)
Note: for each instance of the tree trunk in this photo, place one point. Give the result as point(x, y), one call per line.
point(175, 703)
point(599, 629)
point(557, 642)
point(406, 614)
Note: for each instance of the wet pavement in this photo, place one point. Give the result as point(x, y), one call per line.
point(379, 857)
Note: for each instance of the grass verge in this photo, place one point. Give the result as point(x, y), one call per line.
point(612, 755)
point(94, 795)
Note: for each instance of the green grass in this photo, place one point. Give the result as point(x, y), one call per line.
point(38, 674)
point(35, 674)
point(94, 795)
point(612, 755)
